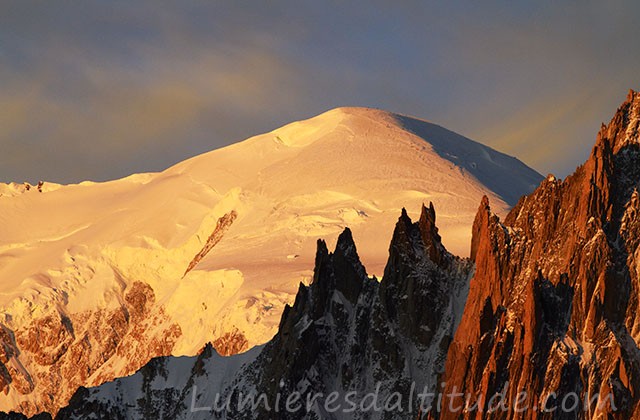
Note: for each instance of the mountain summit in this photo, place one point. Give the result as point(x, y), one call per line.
point(104, 276)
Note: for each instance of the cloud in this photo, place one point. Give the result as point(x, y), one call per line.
point(537, 81)
point(99, 90)
point(111, 117)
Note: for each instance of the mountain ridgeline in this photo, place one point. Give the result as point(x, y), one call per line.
point(552, 308)
point(539, 323)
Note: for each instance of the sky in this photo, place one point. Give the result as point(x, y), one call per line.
point(97, 90)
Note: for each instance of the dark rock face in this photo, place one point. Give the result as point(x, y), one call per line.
point(19, 416)
point(346, 332)
point(553, 302)
point(416, 290)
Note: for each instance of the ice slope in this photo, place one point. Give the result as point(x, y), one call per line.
point(78, 248)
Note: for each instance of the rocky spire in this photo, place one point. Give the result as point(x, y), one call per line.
point(341, 270)
point(430, 236)
point(415, 277)
point(480, 226)
point(623, 129)
point(412, 242)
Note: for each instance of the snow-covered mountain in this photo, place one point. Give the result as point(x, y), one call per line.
point(97, 278)
point(549, 328)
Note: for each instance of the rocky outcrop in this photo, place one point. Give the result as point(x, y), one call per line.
point(65, 351)
point(230, 343)
point(223, 224)
point(552, 305)
point(345, 333)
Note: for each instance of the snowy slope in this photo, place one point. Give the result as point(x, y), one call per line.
point(244, 218)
